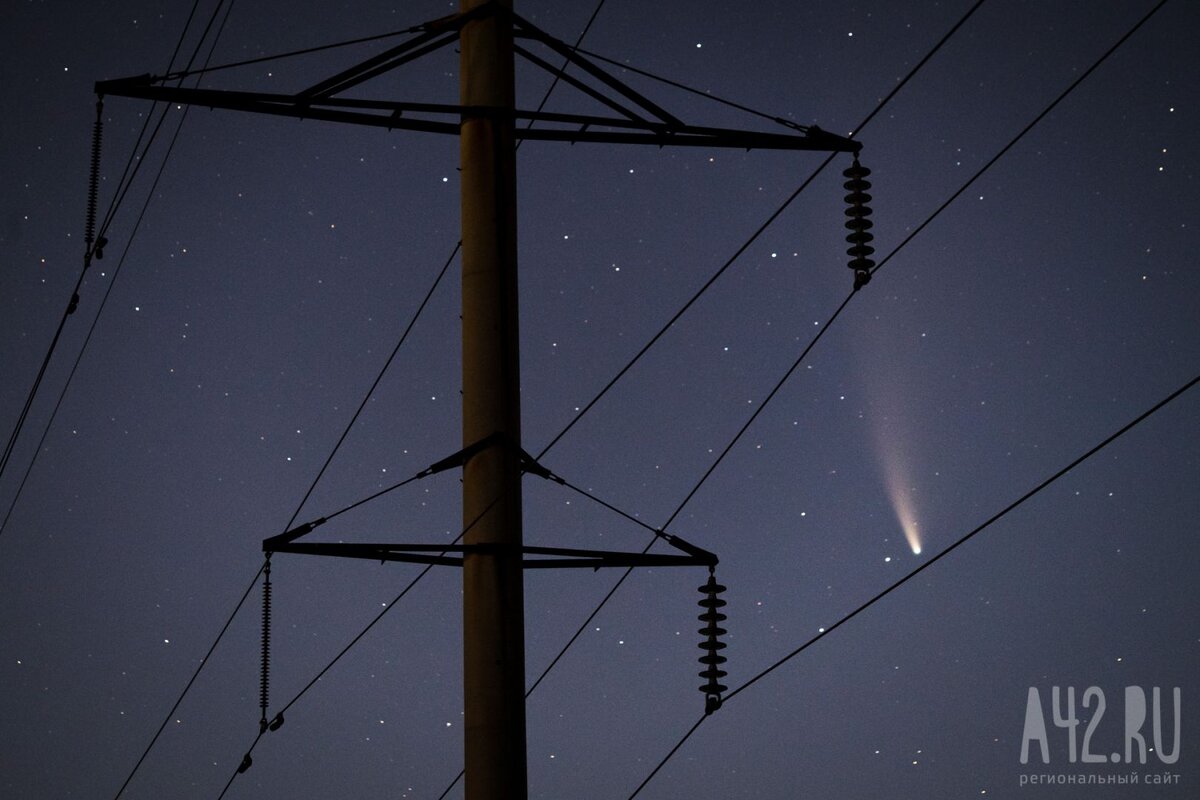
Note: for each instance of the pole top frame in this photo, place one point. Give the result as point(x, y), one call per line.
point(634, 120)
point(451, 555)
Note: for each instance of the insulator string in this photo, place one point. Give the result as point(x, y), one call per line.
point(264, 694)
point(858, 223)
point(712, 646)
point(89, 229)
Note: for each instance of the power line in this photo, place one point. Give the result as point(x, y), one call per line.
point(896, 249)
point(188, 686)
point(245, 763)
point(407, 589)
point(829, 323)
point(761, 407)
point(778, 385)
point(908, 238)
point(1075, 83)
point(889, 256)
point(123, 185)
point(91, 329)
point(689, 89)
point(371, 391)
point(387, 364)
point(961, 540)
point(758, 232)
point(552, 443)
point(73, 303)
point(279, 56)
point(321, 472)
point(412, 322)
point(420, 575)
point(675, 317)
point(579, 631)
point(299, 507)
point(133, 161)
point(558, 75)
point(796, 364)
point(93, 249)
point(341, 439)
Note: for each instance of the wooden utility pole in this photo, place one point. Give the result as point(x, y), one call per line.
point(493, 555)
point(493, 592)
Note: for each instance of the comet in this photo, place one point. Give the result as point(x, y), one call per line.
point(900, 493)
point(891, 394)
point(902, 505)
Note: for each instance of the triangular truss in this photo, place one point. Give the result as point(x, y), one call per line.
point(451, 555)
point(634, 119)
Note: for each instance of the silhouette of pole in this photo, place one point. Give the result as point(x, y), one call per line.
point(493, 591)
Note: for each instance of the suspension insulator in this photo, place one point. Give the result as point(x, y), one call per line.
point(858, 223)
point(265, 683)
point(712, 646)
point(89, 229)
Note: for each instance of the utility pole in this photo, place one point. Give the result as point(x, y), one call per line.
point(493, 554)
point(493, 591)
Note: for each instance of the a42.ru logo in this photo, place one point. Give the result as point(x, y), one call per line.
point(1064, 715)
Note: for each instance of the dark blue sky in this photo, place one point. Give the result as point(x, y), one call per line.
point(279, 261)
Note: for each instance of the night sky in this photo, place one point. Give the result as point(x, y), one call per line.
point(279, 261)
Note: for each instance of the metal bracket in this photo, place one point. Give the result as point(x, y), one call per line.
point(638, 120)
point(531, 557)
point(550, 557)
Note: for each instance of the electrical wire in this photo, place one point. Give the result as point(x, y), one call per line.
point(111, 213)
point(1032, 492)
point(566, 62)
point(778, 385)
point(424, 571)
point(326, 464)
point(916, 571)
point(134, 163)
point(279, 56)
point(192, 680)
point(296, 513)
point(133, 159)
point(429, 294)
point(614, 588)
point(367, 397)
point(72, 304)
point(689, 89)
point(91, 329)
point(675, 317)
point(579, 631)
point(415, 580)
point(457, 247)
point(754, 236)
point(623, 371)
point(620, 581)
point(627, 572)
point(911, 235)
point(761, 407)
point(10, 445)
point(1075, 83)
